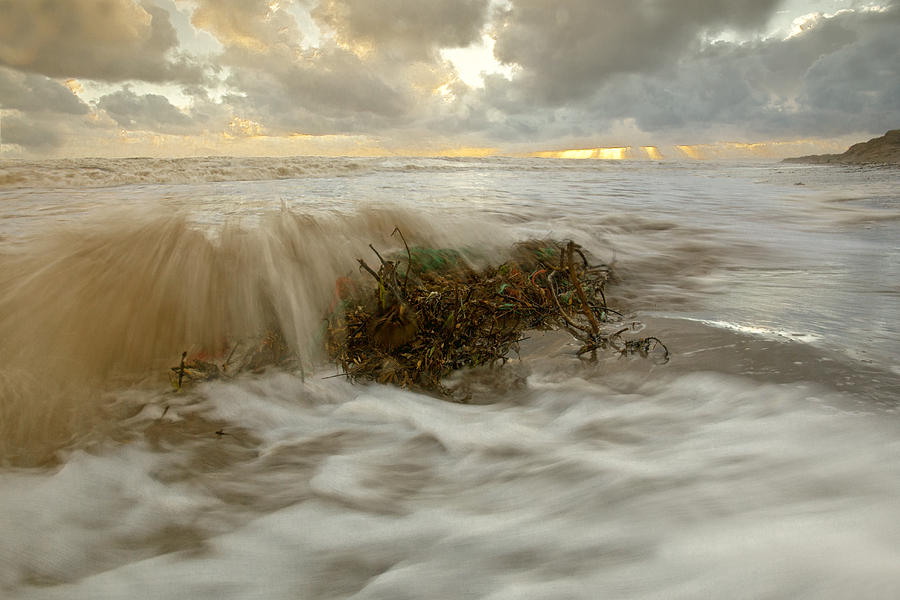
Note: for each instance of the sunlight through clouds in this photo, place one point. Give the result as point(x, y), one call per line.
point(243, 128)
point(615, 153)
point(473, 62)
point(517, 76)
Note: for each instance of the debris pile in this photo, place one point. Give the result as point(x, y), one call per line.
point(428, 313)
point(240, 357)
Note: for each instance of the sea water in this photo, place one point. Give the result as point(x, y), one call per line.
point(763, 461)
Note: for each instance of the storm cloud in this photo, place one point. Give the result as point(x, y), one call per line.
point(352, 81)
point(409, 29)
point(838, 75)
point(566, 49)
point(28, 92)
point(109, 40)
point(30, 133)
point(148, 111)
point(585, 72)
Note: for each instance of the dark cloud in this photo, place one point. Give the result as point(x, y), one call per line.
point(583, 70)
point(567, 49)
point(410, 29)
point(859, 86)
point(308, 101)
point(148, 111)
point(29, 133)
point(24, 91)
point(838, 76)
point(109, 40)
point(290, 88)
point(336, 84)
point(255, 25)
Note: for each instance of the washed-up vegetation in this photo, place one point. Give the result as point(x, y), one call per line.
point(429, 313)
point(422, 313)
point(270, 350)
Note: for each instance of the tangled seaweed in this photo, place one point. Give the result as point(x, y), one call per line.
point(429, 313)
point(441, 315)
point(241, 357)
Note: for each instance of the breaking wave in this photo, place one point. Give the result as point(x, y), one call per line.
point(119, 299)
point(104, 172)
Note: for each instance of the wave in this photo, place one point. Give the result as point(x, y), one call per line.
point(575, 487)
point(109, 172)
point(106, 172)
point(115, 301)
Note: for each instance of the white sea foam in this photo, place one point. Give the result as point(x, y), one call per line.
point(572, 488)
point(766, 332)
point(747, 466)
point(104, 172)
point(81, 173)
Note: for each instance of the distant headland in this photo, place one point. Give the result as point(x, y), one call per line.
point(884, 150)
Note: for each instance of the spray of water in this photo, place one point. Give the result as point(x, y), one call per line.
point(114, 302)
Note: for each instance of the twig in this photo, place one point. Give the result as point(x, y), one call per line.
point(337, 375)
point(363, 264)
point(586, 309)
point(408, 258)
point(387, 283)
point(230, 354)
point(559, 307)
point(181, 369)
point(376, 254)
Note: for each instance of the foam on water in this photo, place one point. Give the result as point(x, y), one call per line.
point(79, 173)
point(105, 172)
point(766, 332)
point(680, 486)
point(762, 461)
point(117, 298)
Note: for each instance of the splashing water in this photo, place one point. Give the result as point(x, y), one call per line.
point(762, 461)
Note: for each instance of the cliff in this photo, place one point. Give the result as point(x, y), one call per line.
point(880, 150)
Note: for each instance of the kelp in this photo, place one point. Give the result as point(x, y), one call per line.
point(428, 313)
point(253, 356)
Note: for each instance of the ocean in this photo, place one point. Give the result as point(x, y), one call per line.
point(762, 461)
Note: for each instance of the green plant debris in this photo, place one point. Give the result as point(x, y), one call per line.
point(270, 350)
point(428, 313)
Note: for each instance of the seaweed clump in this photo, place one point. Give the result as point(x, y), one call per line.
point(428, 313)
point(254, 356)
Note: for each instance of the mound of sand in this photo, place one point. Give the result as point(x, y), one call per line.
point(880, 150)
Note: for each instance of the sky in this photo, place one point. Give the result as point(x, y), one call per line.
point(571, 78)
